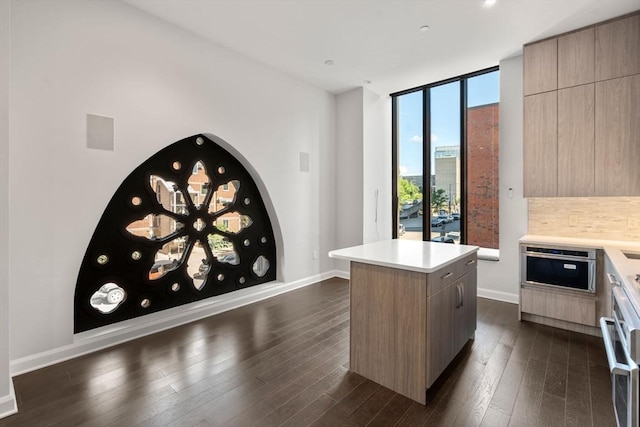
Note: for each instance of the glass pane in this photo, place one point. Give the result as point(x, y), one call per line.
point(223, 249)
point(168, 257)
point(232, 222)
point(224, 196)
point(108, 298)
point(446, 179)
point(198, 184)
point(410, 154)
point(154, 226)
point(483, 120)
point(261, 266)
point(198, 265)
point(168, 195)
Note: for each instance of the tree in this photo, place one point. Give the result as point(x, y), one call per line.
point(439, 199)
point(408, 192)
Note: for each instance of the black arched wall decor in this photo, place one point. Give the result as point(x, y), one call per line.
point(187, 224)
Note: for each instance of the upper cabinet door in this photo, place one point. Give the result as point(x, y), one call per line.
point(541, 67)
point(576, 58)
point(618, 48)
point(541, 145)
point(618, 137)
point(575, 141)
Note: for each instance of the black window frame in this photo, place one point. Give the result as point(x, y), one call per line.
point(426, 141)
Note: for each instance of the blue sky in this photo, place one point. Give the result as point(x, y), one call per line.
point(445, 117)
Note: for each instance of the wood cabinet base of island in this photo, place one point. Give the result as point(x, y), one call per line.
point(406, 327)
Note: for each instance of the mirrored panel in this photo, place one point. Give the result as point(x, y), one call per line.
point(224, 196)
point(260, 266)
point(198, 265)
point(154, 226)
point(168, 257)
point(232, 222)
point(198, 184)
point(108, 298)
point(168, 195)
point(223, 249)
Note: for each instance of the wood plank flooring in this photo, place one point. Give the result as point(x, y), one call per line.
point(284, 362)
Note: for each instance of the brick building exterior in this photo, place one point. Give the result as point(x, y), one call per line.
point(482, 176)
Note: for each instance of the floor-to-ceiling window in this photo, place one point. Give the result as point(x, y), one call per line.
point(445, 163)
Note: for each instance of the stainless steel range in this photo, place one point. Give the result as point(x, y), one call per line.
point(621, 335)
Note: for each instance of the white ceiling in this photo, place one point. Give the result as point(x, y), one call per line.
point(380, 40)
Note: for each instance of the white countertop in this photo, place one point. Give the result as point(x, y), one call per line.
point(412, 255)
point(614, 249)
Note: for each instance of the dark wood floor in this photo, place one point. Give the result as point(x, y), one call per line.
point(284, 361)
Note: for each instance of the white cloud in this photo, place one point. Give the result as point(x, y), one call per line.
point(403, 170)
point(415, 138)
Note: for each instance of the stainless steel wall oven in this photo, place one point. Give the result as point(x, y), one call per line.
point(621, 335)
point(559, 267)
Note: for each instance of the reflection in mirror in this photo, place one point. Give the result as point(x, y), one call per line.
point(261, 266)
point(168, 195)
point(154, 226)
point(198, 184)
point(224, 196)
point(223, 249)
point(232, 222)
point(169, 257)
point(108, 298)
point(198, 265)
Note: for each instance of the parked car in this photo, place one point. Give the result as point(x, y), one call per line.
point(436, 221)
point(161, 267)
point(443, 239)
point(456, 216)
point(446, 218)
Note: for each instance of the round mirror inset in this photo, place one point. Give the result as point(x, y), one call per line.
point(145, 303)
point(199, 140)
point(136, 255)
point(176, 166)
point(136, 201)
point(175, 287)
point(108, 298)
point(220, 277)
point(199, 224)
point(241, 280)
point(221, 170)
point(247, 201)
point(102, 259)
point(263, 240)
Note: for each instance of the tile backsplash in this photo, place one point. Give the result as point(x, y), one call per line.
point(608, 218)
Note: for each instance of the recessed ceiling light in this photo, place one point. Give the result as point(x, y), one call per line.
point(329, 62)
point(424, 28)
point(489, 3)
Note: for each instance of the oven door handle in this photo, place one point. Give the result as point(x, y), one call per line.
point(614, 366)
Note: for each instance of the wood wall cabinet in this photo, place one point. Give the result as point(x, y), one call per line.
point(591, 147)
point(617, 135)
point(541, 67)
point(576, 58)
point(617, 48)
point(541, 145)
point(576, 150)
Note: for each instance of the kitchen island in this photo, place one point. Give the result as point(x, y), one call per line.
point(412, 309)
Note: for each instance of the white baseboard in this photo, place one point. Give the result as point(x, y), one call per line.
point(341, 274)
point(498, 295)
point(98, 339)
point(8, 404)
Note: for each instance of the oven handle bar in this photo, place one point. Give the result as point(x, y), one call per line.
point(614, 366)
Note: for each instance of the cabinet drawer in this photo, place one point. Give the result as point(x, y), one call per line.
point(465, 265)
point(438, 280)
point(568, 307)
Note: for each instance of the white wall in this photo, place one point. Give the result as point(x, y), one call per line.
point(349, 172)
point(377, 214)
point(160, 84)
point(500, 280)
point(7, 398)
